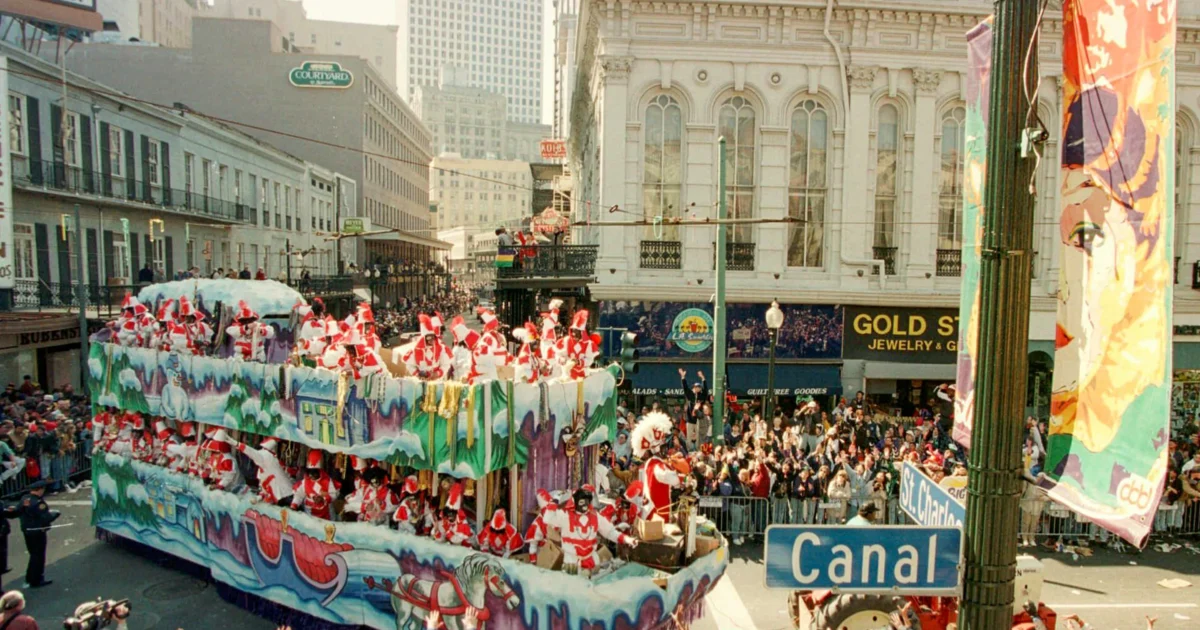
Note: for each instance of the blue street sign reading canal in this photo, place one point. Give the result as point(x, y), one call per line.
point(927, 503)
point(897, 558)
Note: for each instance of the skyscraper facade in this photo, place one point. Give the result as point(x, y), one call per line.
point(498, 41)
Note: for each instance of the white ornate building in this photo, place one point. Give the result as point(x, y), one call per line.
point(846, 115)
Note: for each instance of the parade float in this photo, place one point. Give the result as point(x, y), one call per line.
point(504, 439)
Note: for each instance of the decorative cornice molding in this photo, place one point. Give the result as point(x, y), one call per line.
point(862, 77)
point(614, 69)
point(927, 81)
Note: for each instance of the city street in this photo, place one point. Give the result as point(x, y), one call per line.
point(1112, 591)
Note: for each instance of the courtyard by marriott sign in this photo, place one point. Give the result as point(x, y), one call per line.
point(904, 335)
point(321, 74)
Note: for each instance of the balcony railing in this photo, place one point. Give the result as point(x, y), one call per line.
point(59, 176)
point(888, 256)
point(552, 261)
point(662, 255)
point(35, 295)
point(738, 256)
point(949, 262)
point(323, 286)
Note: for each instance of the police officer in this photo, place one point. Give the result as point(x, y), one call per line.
point(36, 518)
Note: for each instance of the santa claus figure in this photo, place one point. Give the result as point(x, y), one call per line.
point(465, 341)
point(317, 490)
point(578, 349)
point(409, 512)
point(200, 334)
point(274, 484)
point(428, 358)
point(657, 477)
point(580, 527)
point(491, 351)
point(536, 534)
point(222, 469)
point(499, 537)
point(453, 526)
point(250, 336)
point(530, 367)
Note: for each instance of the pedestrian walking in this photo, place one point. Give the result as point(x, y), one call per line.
point(36, 518)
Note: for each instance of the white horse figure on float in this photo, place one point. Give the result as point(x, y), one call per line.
point(460, 594)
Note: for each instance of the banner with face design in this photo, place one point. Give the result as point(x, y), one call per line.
point(979, 67)
point(1106, 452)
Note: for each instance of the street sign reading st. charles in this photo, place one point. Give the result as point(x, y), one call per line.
point(321, 74)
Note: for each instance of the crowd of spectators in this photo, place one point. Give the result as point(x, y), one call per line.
point(44, 432)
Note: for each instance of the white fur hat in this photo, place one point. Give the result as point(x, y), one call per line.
point(650, 432)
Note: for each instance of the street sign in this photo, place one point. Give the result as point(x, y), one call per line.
point(355, 225)
point(927, 503)
point(554, 149)
point(321, 74)
point(894, 558)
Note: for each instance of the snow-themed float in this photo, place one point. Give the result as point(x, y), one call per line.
point(503, 440)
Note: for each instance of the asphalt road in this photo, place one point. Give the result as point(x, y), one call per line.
point(1112, 591)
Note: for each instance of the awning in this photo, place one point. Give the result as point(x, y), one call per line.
point(363, 295)
point(83, 16)
point(662, 379)
point(791, 379)
point(397, 236)
point(910, 371)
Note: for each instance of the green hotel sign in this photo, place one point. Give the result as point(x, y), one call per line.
point(321, 74)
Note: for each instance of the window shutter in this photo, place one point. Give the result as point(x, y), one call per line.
point(170, 258)
point(34, 141)
point(56, 144)
point(85, 143)
point(146, 192)
point(93, 258)
point(148, 257)
point(130, 171)
point(64, 267)
point(42, 238)
point(110, 263)
point(105, 161)
point(164, 158)
point(133, 254)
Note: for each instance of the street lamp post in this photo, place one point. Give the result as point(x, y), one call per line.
point(774, 323)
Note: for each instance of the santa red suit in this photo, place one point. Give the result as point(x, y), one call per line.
point(452, 527)
point(499, 538)
point(580, 528)
point(274, 484)
point(536, 533)
point(428, 358)
point(409, 512)
point(249, 335)
point(316, 491)
point(578, 348)
point(656, 476)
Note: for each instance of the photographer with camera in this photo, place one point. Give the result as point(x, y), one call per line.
point(98, 614)
point(12, 613)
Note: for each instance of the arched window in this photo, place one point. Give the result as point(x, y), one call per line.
point(807, 184)
point(662, 171)
point(887, 144)
point(737, 125)
point(949, 241)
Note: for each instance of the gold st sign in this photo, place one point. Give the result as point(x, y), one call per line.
point(900, 334)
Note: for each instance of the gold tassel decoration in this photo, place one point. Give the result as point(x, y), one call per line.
point(431, 414)
point(343, 389)
point(468, 487)
point(471, 417)
point(425, 479)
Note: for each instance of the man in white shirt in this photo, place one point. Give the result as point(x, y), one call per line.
point(1191, 463)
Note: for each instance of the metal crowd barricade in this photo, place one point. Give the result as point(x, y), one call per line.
point(736, 516)
point(74, 466)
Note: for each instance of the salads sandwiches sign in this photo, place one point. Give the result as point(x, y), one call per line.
point(321, 74)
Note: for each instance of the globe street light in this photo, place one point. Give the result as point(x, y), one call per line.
point(774, 323)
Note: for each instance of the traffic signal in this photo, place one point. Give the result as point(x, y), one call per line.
point(629, 352)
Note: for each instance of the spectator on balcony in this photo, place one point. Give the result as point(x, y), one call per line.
point(244, 274)
point(261, 275)
point(219, 273)
point(146, 275)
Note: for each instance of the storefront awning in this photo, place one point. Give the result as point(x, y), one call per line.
point(910, 371)
point(662, 379)
point(398, 236)
point(791, 379)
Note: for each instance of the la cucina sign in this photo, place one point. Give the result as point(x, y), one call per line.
point(321, 74)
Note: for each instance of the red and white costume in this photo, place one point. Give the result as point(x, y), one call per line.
point(458, 532)
point(630, 509)
point(656, 476)
point(332, 354)
point(366, 327)
point(135, 326)
point(531, 367)
point(429, 360)
point(355, 499)
point(491, 351)
point(165, 317)
point(357, 358)
point(249, 335)
point(316, 495)
point(579, 535)
point(199, 333)
point(274, 484)
point(409, 512)
point(579, 352)
point(465, 341)
point(537, 529)
point(378, 502)
point(100, 424)
point(223, 471)
point(499, 538)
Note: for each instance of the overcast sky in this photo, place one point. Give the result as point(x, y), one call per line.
point(384, 12)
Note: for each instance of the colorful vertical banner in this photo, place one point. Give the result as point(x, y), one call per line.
point(8, 275)
point(1109, 425)
point(979, 66)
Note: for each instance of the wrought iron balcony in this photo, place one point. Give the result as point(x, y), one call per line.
point(738, 256)
point(949, 262)
point(888, 256)
point(662, 255)
point(323, 286)
point(551, 261)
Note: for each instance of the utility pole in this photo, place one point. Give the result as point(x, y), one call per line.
point(718, 371)
point(994, 486)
